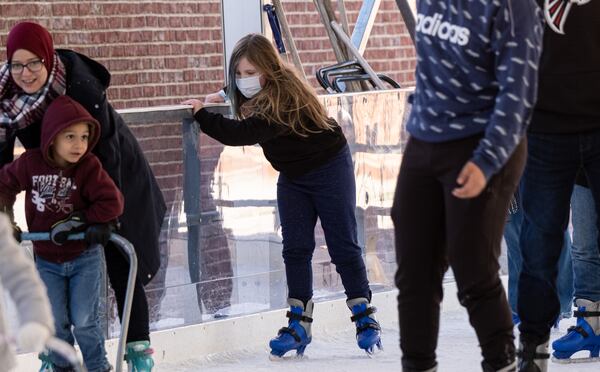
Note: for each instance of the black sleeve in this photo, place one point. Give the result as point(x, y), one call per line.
point(6, 150)
point(87, 81)
point(249, 131)
point(581, 178)
point(108, 150)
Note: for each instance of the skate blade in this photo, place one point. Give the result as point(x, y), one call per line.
point(575, 360)
point(287, 358)
point(372, 352)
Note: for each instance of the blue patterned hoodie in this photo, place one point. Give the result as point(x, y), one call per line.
point(477, 65)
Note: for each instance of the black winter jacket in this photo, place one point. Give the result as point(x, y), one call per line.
point(119, 153)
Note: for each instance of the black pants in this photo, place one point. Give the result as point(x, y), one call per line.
point(117, 268)
point(434, 229)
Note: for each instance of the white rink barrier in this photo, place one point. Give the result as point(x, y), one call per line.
point(237, 333)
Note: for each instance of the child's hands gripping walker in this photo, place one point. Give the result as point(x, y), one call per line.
point(93, 233)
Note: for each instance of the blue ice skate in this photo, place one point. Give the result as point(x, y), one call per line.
point(368, 331)
point(584, 336)
point(297, 335)
point(515, 318)
point(138, 355)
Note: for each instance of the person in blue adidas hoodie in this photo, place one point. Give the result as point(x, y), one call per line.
point(476, 86)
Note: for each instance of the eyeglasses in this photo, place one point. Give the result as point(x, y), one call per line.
point(33, 66)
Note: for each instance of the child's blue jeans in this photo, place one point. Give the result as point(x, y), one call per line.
point(74, 292)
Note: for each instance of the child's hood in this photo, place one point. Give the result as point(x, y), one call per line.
point(62, 113)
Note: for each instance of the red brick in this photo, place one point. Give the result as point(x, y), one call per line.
point(161, 51)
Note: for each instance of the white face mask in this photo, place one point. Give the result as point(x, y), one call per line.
point(249, 86)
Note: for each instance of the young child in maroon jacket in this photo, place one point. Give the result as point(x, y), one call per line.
point(67, 190)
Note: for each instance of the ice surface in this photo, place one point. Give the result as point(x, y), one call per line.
point(337, 352)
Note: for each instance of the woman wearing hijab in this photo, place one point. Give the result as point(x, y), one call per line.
point(34, 76)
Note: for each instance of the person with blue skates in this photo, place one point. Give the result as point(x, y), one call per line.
point(476, 85)
point(585, 335)
point(564, 283)
point(563, 140)
point(276, 109)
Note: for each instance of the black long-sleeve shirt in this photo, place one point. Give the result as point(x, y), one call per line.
point(569, 76)
point(289, 153)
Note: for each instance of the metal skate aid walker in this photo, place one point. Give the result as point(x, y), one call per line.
point(66, 350)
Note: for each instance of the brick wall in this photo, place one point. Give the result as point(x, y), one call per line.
point(160, 52)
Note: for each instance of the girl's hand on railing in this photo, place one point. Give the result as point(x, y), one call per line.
point(195, 103)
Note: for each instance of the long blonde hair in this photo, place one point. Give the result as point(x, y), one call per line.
point(284, 99)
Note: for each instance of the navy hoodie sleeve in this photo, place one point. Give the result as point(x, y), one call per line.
point(104, 198)
point(516, 42)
